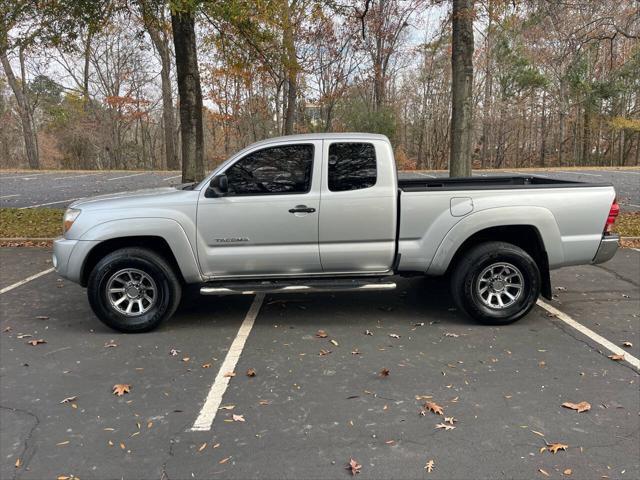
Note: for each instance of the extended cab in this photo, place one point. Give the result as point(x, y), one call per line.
point(326, 212)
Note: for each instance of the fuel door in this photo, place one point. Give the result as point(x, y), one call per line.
point(461, 206)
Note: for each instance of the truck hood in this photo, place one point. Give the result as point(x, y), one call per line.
point(131, 198)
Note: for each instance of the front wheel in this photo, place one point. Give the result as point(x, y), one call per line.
point(496, 283)
point(133, 290)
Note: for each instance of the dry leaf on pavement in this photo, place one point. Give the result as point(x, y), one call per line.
point(554, 447)
point(580, 407)
point(33, 343)
point(120, 389)
point(445, 426)
point(353, 466)
point(617, 357)
point(430, 466)
point(450, 420)
point(203, 446)
point(324, 352)
point(110, 344)
point(384, 372)
point(230, 374)
point(452, 335)
point(434, 407)
point(238, 418)
point(394, 335)
point(206, 365)
point(627, 344)
point(368, 332)
point(321, 334)
point(69, 399)
point(543, 472)
point(567, 471)
point(251, 372)
point(334, 342)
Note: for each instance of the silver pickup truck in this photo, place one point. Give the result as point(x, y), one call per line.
point(326, 212)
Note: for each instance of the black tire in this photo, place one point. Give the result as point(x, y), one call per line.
point(166, 293)
point(466, 288)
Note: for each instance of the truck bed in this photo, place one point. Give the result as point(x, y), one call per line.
point(486, 183)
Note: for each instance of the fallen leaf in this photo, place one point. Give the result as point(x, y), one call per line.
point(356, 352)
point(206, 365)
point(42, 317)
point(150, 424)
point(110, 344)
point(434, 407)
point(538, 433)
point(238, 418)
point(215, 446)
point(353, 466)
point(120, 389)
point(203, 446)
point(66, 442)
point(543, 472)
point(450, 420)
point(627, 344)
point(18, 463)
point(419, 324)
point(554, 447)
point(430, 466)
point(617, 357)
point(230, 374)
point(334, 342)
point(368, 332)
point(227, 407)
point(394, 335)
point(580, 407)
point(321, 334)
point(264, 402)
point(7, 329)
point(452, 335)
point(384, 372)
point(224, 460)
point(122, 446)
point(69, 399)
point(390, 442)
point(173, 352)
point(446, 426)
point(36, 342)
point(251, 372)
point(567, 471)
point(324, 352)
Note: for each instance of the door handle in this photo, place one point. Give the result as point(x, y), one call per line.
point(302, 209)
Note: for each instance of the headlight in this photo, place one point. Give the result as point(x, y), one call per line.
point(69, 217)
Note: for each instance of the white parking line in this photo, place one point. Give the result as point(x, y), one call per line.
point(214, 398)
point(76, 176)
point(579, 173)
point(49, 203)
point(126, 176)
point(169, 178)
point(591, 334)
point(26, 280)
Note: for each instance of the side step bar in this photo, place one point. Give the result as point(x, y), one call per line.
point(284, 287)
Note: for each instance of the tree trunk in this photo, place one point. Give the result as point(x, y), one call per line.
point(161, 43)
point(461, 89)
point(543, 129)
point(291, 67)
point(184, 40)
point(22, 101)
point(488, 80)
point(168, 119)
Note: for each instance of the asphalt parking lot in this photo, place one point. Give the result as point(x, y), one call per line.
point(314, 403)
point(58, 189)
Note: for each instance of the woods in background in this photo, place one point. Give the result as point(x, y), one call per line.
point(88, 84)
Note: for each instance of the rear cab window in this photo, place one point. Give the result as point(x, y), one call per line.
point(352, 166)
point(279, 170)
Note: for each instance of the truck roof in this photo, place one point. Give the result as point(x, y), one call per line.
point(324, 136)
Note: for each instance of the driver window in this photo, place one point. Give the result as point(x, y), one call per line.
point(275, 170)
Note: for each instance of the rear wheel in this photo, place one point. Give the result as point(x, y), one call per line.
point(133, 290)
point(496, 283)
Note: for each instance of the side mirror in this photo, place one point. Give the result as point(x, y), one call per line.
point(219, 186)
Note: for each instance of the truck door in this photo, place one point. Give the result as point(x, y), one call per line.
point(358, 207)
point(267, 224)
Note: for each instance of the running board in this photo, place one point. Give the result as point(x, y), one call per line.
point(289, 287)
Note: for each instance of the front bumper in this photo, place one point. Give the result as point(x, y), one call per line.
point(69, 255)
point(607, 249)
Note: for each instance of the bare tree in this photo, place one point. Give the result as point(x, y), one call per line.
point(461, 88)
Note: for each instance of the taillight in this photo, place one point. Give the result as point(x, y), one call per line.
point(611, 219)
